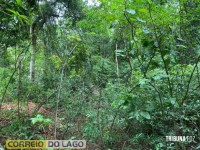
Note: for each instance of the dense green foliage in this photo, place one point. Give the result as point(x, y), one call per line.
point(120, 74)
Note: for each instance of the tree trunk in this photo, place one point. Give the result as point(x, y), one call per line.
point(19, 86)
point(33, 50)
point(116, 61)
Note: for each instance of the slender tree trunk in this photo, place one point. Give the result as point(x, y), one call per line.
point(116, 61)
point(59, 93)
point(57, 102)
point(33, 49)
point(19, 86)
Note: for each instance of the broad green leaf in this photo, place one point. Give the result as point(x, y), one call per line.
point(132, 52)
point(145, 115)
point(33, 120)
point(134, 115)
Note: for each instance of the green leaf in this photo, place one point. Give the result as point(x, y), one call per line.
point(143, 81)
point(13, 11)
point(172, 100)
point(180, 39)
point(146, 31)
point(38, 118)
point(181, 46)
point(149, 1)
point(145, 115)
point(140, 20)
point(131, 11)
point(33, 120)
point(18, 2)
point(156, 44)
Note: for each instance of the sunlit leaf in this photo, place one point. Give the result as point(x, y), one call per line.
point(172, 100)
point(180, 39)
point(12, 11)
point(131, 11)
point(146, 115)
point(181, 46)
point(18, 2)
point(140, 20)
